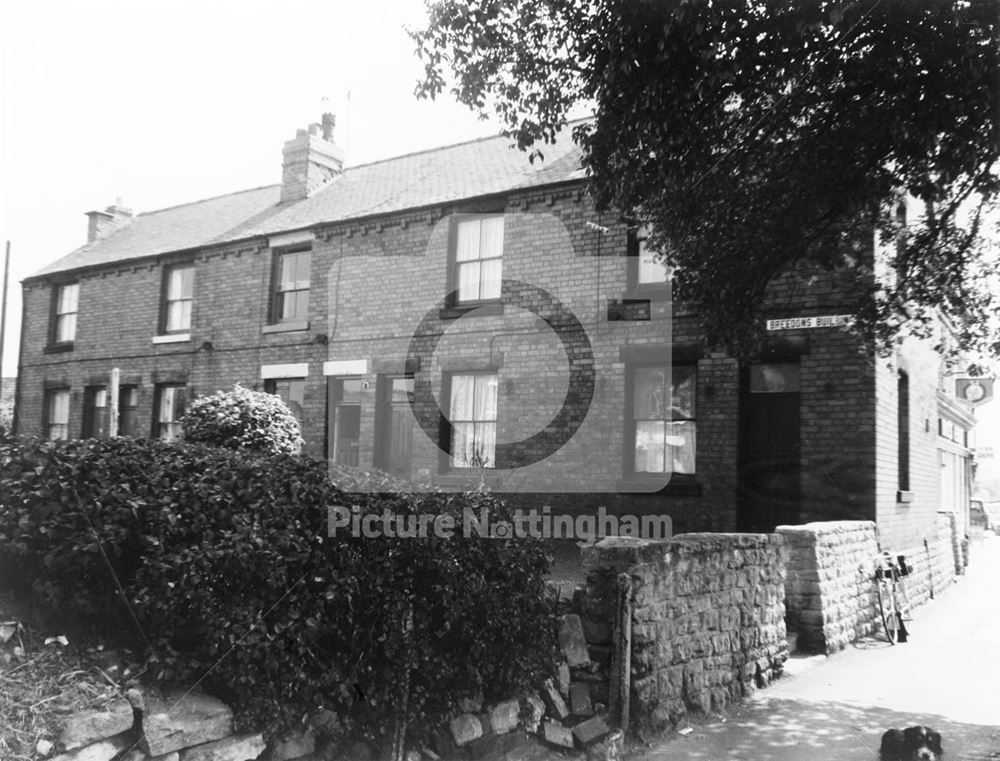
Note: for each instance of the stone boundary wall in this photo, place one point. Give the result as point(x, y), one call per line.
point(933, 562)
point(830, 596)
point(707, 619)
point(829, 590)
point(948, 522)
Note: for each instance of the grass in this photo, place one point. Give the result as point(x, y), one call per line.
point(42, 684)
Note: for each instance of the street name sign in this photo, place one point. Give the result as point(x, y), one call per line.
point(808, 323)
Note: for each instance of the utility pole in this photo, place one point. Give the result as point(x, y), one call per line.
point(3, 311)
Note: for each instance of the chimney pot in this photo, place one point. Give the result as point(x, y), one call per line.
point(101, 223)
point(311, 159)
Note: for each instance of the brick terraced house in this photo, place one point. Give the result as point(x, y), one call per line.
point(462, 314)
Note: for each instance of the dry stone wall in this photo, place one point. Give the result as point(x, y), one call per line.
point(180, 727)
point(706, 621)
point(829, 593)
point(933, 561)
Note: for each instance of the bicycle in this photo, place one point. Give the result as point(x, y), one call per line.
point(893, 604)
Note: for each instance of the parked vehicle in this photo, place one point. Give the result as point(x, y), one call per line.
point(993, 514)
point(979, 521)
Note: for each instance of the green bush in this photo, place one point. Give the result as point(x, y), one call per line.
point(243, 419)
point(227, 564)
point(6, 417)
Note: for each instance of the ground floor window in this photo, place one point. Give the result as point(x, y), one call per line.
point(473, 416)
point(663, 424)
point(171, 404)
point(57, 414)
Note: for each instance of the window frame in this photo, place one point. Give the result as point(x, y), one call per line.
point(449, 423)
point(277, 292)
point(55, 342)
point(454, 265)
point(629, 449)
point(166, 301)
point(47, 413)
point(157, 427)
point(903, 434)
point(637, 236)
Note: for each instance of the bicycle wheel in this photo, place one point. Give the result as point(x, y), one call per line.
point(888, 610)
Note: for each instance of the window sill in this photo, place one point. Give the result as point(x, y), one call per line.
point(678, 486)
point(172, 338)
point(286, 327)
point(58, 348)
point(483, 309)
point(904, 497)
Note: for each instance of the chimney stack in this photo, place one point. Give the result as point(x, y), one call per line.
point(103, 222)
point(311, 160)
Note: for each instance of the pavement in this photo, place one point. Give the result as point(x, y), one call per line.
point(947, 676)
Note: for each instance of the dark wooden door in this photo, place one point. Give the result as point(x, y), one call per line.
point(395, 425)
point(770, 463)
point(344, 420)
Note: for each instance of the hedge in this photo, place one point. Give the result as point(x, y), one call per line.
point(229, 570)
point(243, 419)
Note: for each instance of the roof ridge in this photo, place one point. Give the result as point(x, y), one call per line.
point(482, 139)
point(422, 151)
point(209, 198)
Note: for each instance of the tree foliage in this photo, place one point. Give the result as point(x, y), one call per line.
point(755, 138)
point(243, 419)
point(221, 569)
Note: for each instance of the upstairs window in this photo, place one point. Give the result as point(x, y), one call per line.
point(291, 291)
point(645, 270)
point(477, 258)
point(66, 300)
point(178, 298)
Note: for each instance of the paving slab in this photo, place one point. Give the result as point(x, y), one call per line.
point(837, 707)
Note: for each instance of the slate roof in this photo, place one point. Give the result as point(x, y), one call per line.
point(438, 176)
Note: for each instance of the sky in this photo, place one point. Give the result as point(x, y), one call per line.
point(162, 103)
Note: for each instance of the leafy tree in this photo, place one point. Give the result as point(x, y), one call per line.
point(243, 419)
point(756, 137)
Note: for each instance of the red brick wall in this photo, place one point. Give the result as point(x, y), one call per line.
point(371, 282)
point(905, 524)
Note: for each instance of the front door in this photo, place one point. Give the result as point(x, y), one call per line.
point(395, 425)
point(344, 420)
point(770, 466)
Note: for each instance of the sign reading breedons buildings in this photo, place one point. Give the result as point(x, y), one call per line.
point(818, 321)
